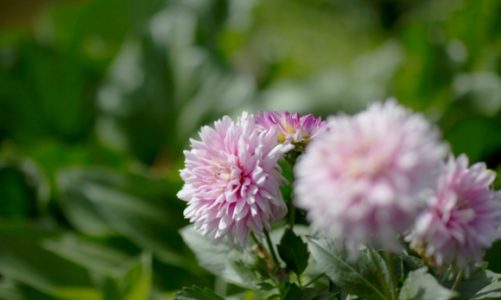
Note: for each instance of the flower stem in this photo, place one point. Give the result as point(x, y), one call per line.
point(457, 281)
point(254, 238)
point(292, 209)
point(262, 253)
point(272, 249)
point(292, 214)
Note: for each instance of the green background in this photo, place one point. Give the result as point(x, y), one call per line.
point(98, 99)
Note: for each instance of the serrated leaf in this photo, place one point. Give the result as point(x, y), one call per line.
point(420, 285)
point(197, 293)
point(483, 284)
point(358, 277)
point(293, 251)
point(412, 262)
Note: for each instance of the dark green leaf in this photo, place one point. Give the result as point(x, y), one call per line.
point(359, 277)
point(482, 132)
point(420, 285)
point(265, 286)
point(23, 187)
point(482, 284)
point(18, 197)
point(293, 251)
point(293, 292)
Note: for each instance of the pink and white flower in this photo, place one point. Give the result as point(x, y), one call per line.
point(292, 128)
point(462, 220)
point(232, 179)
point(366, 178)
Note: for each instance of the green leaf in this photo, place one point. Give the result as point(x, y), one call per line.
point(420, 285)
point(8, 290)
point(412, 262)
point(293, 251)
point(220, 259)
point(483, 284)
point(483, 139)
point(138, 280)
point(103, 202)
point(24, 258)
point(29, 292)
point(97, 258)
point(359, 277)
point(18, 197)
point(78, 293)
point(135, 284)
point(293, 292)
point(52, 265)
point(23, 187)
point(197, 293)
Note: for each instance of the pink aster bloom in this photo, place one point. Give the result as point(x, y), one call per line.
point(292, 128)
point(364, 180)
point(232, 179)
point(462, 220)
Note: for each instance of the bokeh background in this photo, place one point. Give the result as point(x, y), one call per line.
point(99, 97)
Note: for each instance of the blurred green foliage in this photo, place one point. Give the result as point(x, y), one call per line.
point(98, 98)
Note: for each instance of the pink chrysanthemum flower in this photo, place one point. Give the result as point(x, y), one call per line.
point(232, 179)
point(462, 220)
point(363, 181)
point(292, 128)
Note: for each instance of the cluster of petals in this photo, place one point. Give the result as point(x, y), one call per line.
point(366, 178)
point(232, 179)
point(292, 127)
point(462, 220)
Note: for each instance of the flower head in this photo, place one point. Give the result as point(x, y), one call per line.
point(232, 179)
point(363, 181)
point(292, 128)
point(462, 220)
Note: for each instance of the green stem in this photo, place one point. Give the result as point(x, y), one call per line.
point(272, 249)
point(254, 238)
point(292, 208)
point(457, 281)
point(292, 213)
